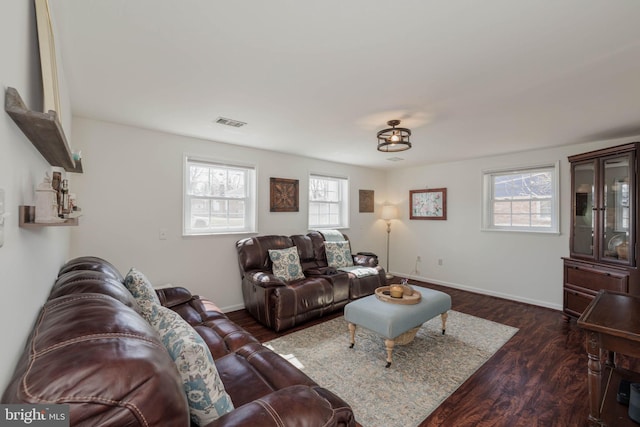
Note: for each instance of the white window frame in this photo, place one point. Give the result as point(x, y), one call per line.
point(622, 197)
point(342, 204)
point(488, 199)
point(249, 198)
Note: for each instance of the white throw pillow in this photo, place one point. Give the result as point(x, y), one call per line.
point(338, 254)
point(205, 391)
point(286, 264)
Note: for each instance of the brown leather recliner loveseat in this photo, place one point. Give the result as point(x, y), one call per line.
point(281, 304)
point(92, 350)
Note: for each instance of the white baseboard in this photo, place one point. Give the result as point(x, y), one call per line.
point(484, 291)
point(232, 308)
point(449, 285)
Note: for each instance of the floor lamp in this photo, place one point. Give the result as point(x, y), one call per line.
point(389, 212)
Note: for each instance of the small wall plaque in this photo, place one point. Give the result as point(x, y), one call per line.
point(366, 200)
point(284, 195)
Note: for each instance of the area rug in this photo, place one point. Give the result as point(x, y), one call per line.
point(423, 374)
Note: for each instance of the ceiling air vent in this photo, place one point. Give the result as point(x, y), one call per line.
point(230, 122)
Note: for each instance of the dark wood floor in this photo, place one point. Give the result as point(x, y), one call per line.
point(538, 378)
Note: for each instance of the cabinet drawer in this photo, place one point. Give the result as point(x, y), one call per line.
point(595, 280)
point(576, 302)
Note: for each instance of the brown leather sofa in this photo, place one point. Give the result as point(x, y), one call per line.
point(281, 305)
point(91, 350)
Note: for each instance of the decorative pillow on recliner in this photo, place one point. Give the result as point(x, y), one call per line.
point(205, 392)
point(142, 290)
point(338, 254)
point(286, 264)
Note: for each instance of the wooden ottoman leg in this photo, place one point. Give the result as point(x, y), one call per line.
point(389, 344)
point(444, 316)
point(352, 334)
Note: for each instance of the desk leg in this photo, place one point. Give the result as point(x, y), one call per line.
point(595, 378)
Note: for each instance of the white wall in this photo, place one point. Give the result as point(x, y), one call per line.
point(30, 258)
point(132, 187)
point(521, 266)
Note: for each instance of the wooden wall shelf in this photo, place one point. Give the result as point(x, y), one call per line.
point(27, 213)
point(43, 130)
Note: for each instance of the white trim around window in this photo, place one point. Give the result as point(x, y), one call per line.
point(218, 197)
point(522, 199)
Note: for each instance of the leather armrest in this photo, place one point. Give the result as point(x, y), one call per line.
point(170, 297)
point(263, 279)
point(290, 406)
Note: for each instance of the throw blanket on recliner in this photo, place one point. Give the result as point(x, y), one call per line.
point(332, 236)
point(360, 271)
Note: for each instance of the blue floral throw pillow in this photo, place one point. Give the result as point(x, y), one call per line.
point(286, 264)
point(205, 392)
point(338, 254)
point(142, 290)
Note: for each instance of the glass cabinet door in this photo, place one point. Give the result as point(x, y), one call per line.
point(616, 202)
point(583, 208)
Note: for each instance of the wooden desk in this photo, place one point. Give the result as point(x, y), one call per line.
point(612, 323)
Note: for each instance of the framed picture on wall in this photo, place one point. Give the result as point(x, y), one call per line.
point(428, 204)
point(283, 195)
point(366, 200)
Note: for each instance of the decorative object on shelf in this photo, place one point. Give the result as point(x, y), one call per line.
point(428, 204)
point(73, 203)
point(56, 182)
point(366, 201)
point(394, 139)
point(283, 195)
point(46, 202)
point(623, 250)
point(64, 198)
point(389, 212)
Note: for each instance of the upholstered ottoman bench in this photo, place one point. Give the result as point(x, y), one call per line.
point(397, 323)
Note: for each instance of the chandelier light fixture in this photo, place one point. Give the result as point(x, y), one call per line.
point(394, 139)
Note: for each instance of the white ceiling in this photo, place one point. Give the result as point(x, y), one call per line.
point(470, 78)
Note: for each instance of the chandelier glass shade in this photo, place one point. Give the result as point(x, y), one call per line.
point(394, 139)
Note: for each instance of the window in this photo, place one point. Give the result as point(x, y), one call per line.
point(524, 199)
point(328, 202)
point(218, 197)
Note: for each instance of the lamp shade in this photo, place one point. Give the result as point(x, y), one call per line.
point(389, 212)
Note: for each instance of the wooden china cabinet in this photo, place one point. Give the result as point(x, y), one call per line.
point(604, 226)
